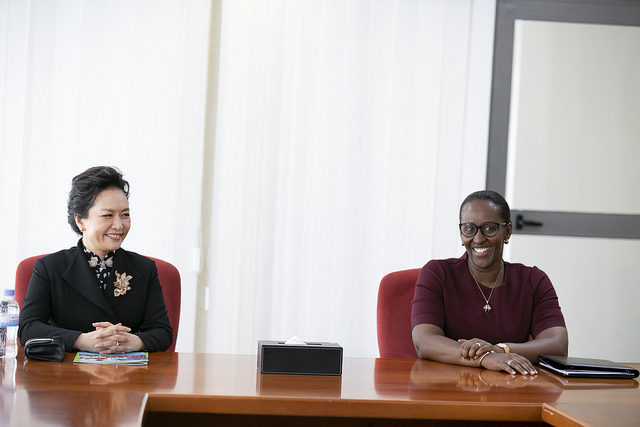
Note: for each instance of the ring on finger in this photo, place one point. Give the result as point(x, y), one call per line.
point(479, 344)
point(117, 343)
point(509, 362)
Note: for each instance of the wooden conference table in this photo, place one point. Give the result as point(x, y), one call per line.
point(190, 388)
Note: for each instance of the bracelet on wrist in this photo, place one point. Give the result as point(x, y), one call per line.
point(504, 347)
point(483, 356)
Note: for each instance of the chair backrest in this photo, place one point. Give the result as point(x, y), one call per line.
point(23, 276)
point(168, 275)
point(394, 314)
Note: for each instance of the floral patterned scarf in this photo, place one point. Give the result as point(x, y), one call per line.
point(102, 268)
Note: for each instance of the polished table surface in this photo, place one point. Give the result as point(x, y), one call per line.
point(393, 389)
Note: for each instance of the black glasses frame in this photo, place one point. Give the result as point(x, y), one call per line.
point(481, 228)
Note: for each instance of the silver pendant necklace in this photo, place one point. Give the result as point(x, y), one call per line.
point(487, 306)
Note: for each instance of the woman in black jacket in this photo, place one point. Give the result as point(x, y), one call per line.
point(96, 296)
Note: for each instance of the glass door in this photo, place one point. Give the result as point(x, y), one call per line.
point(564, 147)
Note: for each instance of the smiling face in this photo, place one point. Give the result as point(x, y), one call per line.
point(484, 253)
point(107, 222)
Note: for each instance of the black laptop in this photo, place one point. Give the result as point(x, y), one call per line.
point(580, 367)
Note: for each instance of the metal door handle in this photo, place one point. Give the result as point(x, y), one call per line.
point(521, 222)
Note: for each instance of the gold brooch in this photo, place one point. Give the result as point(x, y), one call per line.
point(121, 285)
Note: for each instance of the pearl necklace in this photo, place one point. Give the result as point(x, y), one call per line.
point(487, 307)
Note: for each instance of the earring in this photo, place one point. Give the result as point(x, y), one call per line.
point(506, 241)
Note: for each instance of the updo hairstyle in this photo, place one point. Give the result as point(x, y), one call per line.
point(85, 188)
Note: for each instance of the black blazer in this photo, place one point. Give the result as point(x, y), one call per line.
point(64, 299)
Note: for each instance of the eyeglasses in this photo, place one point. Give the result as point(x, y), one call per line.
point(489, 229)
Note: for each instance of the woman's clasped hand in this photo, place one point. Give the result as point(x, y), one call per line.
point(109, 338)
point(493, 357)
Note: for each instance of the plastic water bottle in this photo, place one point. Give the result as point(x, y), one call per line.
point(7, 380)
point(9, 314)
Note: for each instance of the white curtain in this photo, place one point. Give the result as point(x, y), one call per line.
point(347, 134)
point(85, 83)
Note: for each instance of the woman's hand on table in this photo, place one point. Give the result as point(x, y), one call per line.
point(492, 358)
point(109, 338)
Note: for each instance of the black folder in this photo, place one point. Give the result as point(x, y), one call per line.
point(580, 367)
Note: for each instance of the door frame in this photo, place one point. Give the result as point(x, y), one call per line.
point(612, 12)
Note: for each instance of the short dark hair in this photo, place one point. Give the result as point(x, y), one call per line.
point(489, 196)
point(85, 188)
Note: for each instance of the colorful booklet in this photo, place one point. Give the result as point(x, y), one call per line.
point(135, 358)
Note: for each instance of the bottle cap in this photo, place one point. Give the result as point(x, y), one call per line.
point(9, 293)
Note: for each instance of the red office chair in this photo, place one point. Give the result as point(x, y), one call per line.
point(394, 314)
point(168, 275)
